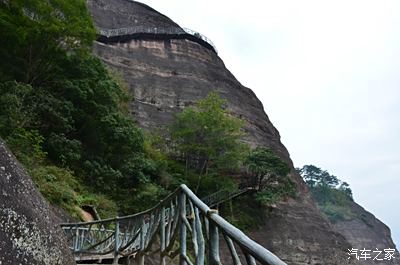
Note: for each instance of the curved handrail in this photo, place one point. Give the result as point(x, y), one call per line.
point(126, 31)
point(178, 215)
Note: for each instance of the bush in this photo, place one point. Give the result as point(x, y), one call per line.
point(105, 207)
point(245, 212)
point(27, 146)
point(277, 191)
point(335, 204)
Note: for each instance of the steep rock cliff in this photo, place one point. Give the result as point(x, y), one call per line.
point(166, 73)
point(366, 231)
point(29, 231)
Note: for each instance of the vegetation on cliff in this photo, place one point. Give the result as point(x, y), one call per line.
point(66, 118)
point(61, 111)
point(270, 175)
point(206, 140)
point(332, 195)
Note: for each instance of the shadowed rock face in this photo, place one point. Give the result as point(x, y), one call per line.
point(166, 75)
point(29, 231)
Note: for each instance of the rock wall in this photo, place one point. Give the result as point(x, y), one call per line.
point(29, 231)
point(167, 74)
point(365, 231)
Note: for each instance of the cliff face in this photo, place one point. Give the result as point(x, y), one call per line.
point(29, 231)
point(365, 231)
point(165, 74)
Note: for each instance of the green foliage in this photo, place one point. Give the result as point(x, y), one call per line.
point(332, 196)
point(27, 145)
point(206, 139)
point(14, 102)
point(61, 188)
point(35, 34)
point(145, 196)
point(277, 191)
point(334, 203)
point(269, 174)
point(245, 212)
point(56, 184)
point(65, 117)
point(315, 176)
point(265, 166)
point(105, 207)
point(61, 109)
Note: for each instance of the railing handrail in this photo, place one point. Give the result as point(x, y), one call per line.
point(113, 219)
point(106, 32)
point(237, 235)
point(170, 217)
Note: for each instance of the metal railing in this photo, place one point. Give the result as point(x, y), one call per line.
point(179, 218)
point(109, 33)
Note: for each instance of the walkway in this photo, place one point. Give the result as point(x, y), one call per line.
point(112, 35)
point(165, 230)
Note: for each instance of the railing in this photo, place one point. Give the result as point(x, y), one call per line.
point(168, 227)
point(222, 196)
point(109, 33)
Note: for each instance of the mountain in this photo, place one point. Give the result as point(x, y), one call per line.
point(167, 70)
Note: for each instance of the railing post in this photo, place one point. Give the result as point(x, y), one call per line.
point(182, 228)
point(76, 239)
point(200, 239)
point(162, 236)
point(116, 236)
point(142, 235)
point(213, 250)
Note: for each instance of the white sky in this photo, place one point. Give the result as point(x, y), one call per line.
point(328, 75)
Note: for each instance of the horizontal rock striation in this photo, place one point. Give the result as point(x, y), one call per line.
point(29, 231)
point(166, 74)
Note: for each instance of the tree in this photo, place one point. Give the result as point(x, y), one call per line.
point(315, 176)
point(265, 166)
point(35, 34)
point(345, 188)
point(207, 138)
point(60, 107)
point(332, 195)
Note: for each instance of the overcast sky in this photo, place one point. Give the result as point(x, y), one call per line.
point(328, 75)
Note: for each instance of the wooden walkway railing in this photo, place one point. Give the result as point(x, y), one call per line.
point(166, 229)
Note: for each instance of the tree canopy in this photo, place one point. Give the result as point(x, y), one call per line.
point(332, 195)
point(207, 138)
point(265, 166)
point(34, 34)
point(317, 177)
point(62, 112)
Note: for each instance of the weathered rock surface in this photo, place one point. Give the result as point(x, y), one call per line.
point(167, 74)
point(367, 232)
point(29, 231)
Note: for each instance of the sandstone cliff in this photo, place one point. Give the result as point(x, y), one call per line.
point(29, 231)
point(366, 231)
point(166, 73)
